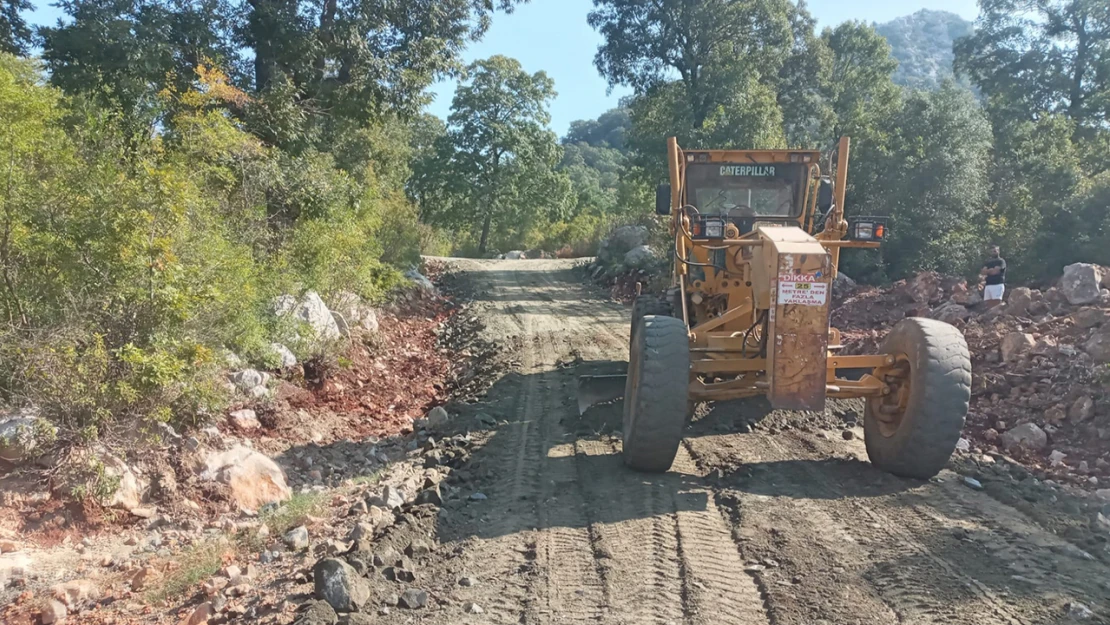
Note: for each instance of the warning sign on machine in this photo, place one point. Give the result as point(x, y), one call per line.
point(802, 289)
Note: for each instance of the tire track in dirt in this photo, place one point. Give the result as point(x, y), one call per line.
point(852, 545)
point(573, 589)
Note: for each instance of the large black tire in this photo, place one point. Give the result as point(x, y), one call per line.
point(655, 396)
point(940, 388)
point(645, 305)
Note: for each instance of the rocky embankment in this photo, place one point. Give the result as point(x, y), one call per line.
point(1040, 363)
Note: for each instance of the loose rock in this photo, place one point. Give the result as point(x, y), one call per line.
point(413, 599)
point(1080, 283)
point(296, 538)
point(318, 613)
point(244, 420)
point(340, 585)
point(254, 479)
point(1026, 435)
point(1015, 344)
point(54, 613)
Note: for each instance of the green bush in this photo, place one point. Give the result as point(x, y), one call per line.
point(125, 268)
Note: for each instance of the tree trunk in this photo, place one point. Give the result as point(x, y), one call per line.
point(485, 233)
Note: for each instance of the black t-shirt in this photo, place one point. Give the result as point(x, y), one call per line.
point(1000, 278)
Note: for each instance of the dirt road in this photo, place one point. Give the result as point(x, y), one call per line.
point(765, 517)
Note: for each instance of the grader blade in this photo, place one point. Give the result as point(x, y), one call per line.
point(599, 389)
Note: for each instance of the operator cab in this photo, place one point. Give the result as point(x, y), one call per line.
point(742, 194)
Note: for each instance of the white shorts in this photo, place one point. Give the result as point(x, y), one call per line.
point(993, 291)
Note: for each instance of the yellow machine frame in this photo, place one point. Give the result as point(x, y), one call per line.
point(728, 359)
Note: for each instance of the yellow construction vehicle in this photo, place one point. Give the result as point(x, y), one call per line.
point(757, 238)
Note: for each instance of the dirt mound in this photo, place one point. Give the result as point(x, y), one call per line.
point(1039, 364)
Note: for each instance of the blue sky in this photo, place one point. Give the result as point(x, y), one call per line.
point(552, 35)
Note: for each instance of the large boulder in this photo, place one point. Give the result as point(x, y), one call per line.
point(1014, 345)
point(131, 486)
point(515, 255)
point(639, 257)
point(843, 285)
point(285, 357)
point(1019, 301)
point(1098, 346)
point(950, 312)
point(1026, 435)
point(351, 311)
point(1087, 318)
point(253, 479)
point(311, 310)
point(23, 434)
point(1080, 283)
point(964, 296)
point(924, 288)
point(613, 249)
point(340, 585)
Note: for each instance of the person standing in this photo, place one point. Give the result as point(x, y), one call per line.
point(995, 272)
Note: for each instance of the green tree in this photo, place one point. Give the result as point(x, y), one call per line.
point(122, 53)
point(316, 71)
point(860, 90)
point(494, 168)
point(15, 34)
point(932, 178)
point(1032, 58)
point(715, 47)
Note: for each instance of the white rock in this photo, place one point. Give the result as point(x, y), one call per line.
point(245, 420)
point(131, 488)
point(1080, 283)
point(311, 310)
point(515, 255)
point(14, 566)
point(614, 247)
point(248, 379)
point(1056, 458)
point(639, 257)
point(254, 479)
point(296, 538)
point(286, 358)
point(21, 433)
point(351, 311)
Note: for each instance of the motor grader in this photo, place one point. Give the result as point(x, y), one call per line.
point(757, 236)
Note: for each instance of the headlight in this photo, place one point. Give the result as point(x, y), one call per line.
point(714, 229)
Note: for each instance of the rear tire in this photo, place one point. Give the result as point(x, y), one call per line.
point(920, 444)
point(655, 397)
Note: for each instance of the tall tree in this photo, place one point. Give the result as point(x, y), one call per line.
point(317, 70)
point(15, 35)
point(713, 46)
point(860, 90)
point(124, 52)
point(495, 166)
point(1050, 56)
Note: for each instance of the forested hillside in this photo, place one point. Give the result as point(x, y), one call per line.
point(922, 45)
point(171, 167)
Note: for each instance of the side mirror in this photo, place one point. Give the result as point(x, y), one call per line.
point(824, 196)
point(663, 199)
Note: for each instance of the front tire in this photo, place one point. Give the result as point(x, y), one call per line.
point(655, 397)
point(917, 440)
